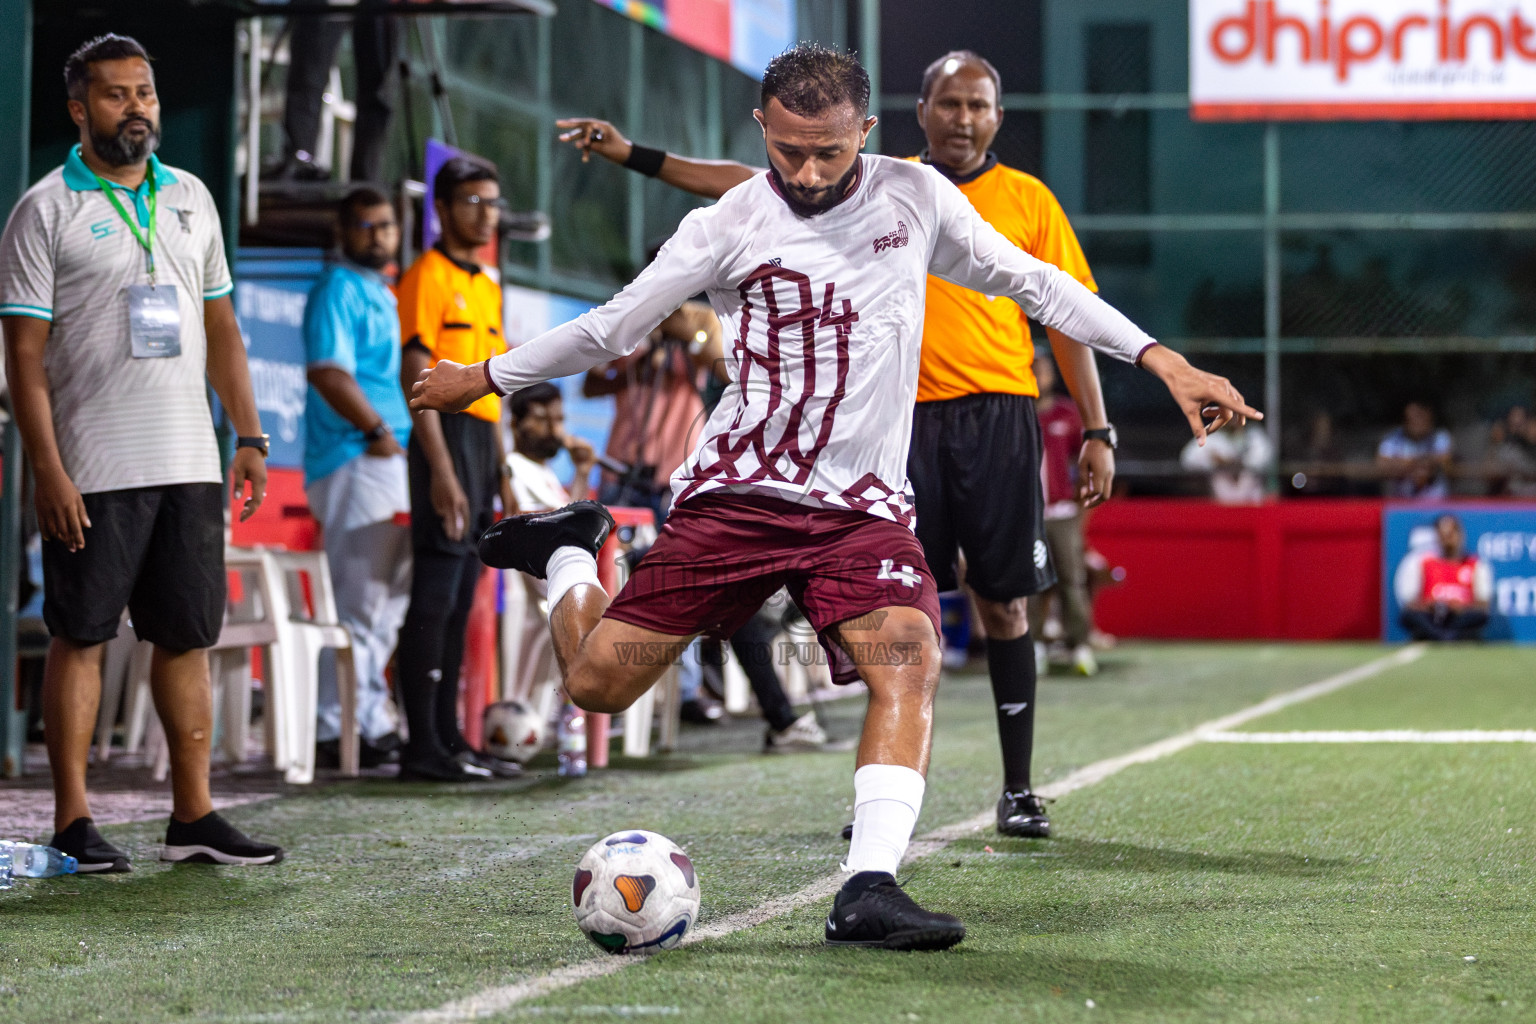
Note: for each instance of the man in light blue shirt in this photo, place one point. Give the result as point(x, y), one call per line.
point(356, 429)
point(1416, 456)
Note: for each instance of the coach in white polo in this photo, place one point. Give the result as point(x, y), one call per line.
point(114, 297)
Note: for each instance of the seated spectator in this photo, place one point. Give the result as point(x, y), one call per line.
point(538, 435)
point(1444, 592)
point(1514, 451)
point(1416, 455)
point(1236, 457)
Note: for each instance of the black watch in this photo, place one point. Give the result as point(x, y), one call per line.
point(376, 432)
point(261, 442)
point(1105, 434)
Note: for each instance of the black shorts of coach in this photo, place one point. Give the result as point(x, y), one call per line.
point(974, 466)
point(159, 552)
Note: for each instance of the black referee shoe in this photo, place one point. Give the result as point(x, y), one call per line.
point(212, 840)
point(92, 853)
point(872, 910)
point(1022, 814)
point(525, 542)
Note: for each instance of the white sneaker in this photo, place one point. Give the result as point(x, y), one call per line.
point(1083, 661)
point(1042, 661)
point(804, 733)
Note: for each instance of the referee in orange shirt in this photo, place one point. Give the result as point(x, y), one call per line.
point(976, 413)
point(450, 308)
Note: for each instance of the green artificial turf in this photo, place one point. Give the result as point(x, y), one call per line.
point(1214, 884)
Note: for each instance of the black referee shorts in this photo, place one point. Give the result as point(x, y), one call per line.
point(974, 465)
point(471, 444)
point(159, 551)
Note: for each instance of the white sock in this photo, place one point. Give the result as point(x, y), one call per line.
point(569, 567)
point(886, 800)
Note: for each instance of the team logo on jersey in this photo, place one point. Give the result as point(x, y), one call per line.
point(906, 574)
point(895, 240)
point(102, 228)
point(185, 216)
point(1040, 554)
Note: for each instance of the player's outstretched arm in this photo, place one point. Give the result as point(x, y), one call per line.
point(1208, 402)
point(708, 178)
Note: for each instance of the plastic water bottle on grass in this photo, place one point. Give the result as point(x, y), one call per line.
point(29, 860)
point(5, 869)
point(572, 741)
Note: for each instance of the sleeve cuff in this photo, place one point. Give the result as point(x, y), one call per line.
point(1144, 350)
point(491, 381)
point(220, 292)
point(20, 309)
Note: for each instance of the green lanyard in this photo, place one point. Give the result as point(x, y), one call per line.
point(146, 240)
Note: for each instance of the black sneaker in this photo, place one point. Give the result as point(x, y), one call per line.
point(495, 765)
point(212, 840)
point(440, 768)
point(1022, 814)
point(525, 542)
point(872, 910)
point(93, 853)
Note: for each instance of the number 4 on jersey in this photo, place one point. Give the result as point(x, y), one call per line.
point(906, 574)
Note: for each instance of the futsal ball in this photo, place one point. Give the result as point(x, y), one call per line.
point(635, 892)
point(514, 731)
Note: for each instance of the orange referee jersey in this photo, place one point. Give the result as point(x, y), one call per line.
point(978, 344)
point(453, 310)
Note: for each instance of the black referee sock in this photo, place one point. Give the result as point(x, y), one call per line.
point(1011, 664)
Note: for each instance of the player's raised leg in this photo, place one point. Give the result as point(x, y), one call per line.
point(896, 650)
point(606, 664)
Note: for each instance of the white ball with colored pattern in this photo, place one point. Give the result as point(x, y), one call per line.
point(635, 892)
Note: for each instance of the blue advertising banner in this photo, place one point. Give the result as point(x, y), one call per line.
point(1502, 536)
point(272, 286)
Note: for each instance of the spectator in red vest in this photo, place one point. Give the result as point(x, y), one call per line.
point(1444, 593)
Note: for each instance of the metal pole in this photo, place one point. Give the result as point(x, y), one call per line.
point(544, 152)
point(15, 149)
point(869, 54)
point(253, 121)
point(1272, 421)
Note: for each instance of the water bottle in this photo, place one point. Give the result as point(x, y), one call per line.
point(29, 860)
point(572, 739)
point(5, 869)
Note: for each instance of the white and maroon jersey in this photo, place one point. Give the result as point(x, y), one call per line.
point(827, 317)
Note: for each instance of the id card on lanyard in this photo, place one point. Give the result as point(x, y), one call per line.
point(154, 311)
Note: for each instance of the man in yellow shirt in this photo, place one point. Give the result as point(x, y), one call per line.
point(450, 308)
point(974, 462)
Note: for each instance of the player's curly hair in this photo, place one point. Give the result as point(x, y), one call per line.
point(77, 69)
point(810, 79)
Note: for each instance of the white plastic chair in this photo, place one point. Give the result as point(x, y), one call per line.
point(274, 618)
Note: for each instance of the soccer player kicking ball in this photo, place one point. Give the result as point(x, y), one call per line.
point(800, 477)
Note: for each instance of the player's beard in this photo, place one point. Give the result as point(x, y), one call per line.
point(117, 149)
point(824, 199)
point(373, 259)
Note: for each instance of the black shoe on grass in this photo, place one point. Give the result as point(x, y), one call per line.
point(440, 768)
point(92, 853)
point(495, 765)
point(212, 840)
point(525, 542)
point(872, 910)
point(1022, 814)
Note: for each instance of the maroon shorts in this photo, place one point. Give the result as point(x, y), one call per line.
point(720, 556)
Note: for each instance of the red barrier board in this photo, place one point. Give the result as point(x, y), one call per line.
point(1298, 570)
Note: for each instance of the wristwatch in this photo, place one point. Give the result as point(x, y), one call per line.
point(1106, 434)
point(376, 432)
point(261, 442)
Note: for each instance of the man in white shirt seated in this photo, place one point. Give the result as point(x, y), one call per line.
point(1236, 459)
point(538, 435)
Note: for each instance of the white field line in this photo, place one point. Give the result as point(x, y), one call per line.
point(496, 1000)
point(1379, 736)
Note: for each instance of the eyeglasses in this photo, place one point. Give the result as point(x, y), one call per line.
point(376, 225)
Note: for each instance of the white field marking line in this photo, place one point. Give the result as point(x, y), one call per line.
point(497, 1000)
point(1379, 736)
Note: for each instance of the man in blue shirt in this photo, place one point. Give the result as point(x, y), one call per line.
point(356, 429)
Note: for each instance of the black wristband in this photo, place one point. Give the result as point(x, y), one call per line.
point(646, 160)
